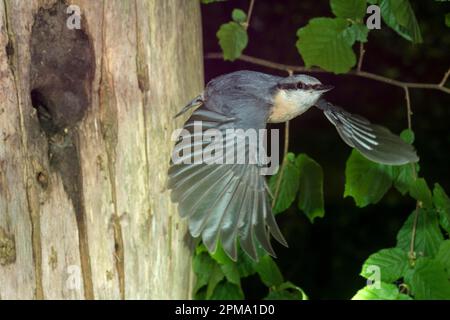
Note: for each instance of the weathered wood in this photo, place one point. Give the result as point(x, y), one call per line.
point(84, 212)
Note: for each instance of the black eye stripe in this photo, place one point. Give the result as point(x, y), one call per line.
point(299, 85)
point(287, 86)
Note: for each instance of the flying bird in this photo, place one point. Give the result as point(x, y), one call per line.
point(229, 202)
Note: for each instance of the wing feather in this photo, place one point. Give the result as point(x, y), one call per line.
point(223, 202)
point(373, 141)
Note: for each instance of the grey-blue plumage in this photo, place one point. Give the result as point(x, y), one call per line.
point(229, 201)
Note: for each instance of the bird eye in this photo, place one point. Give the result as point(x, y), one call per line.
point(300, 85)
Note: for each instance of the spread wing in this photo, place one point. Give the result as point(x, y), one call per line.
point(223, 196)
point(373, 141)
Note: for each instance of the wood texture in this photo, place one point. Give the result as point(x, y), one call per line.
point(123, 238)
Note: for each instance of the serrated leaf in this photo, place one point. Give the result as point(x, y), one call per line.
point(349, 9)
point(392, 263)
point(428, 280)
point(310, 187)
point(238, 15)
point(399, 15)
point(229, 267)
point(356, 32)
point(428, 236)
point(443, 256)
point(231, 273)
point(420, 191)
point(323, 42)
point(286, 291)
point(289, 184)
point(203, 265)
point(233, 40)
point(366, 181)
point(386, 291)
point(442, 203)
point(227, 291)
point(268, 271)
point(216, 276)
point(405, 177)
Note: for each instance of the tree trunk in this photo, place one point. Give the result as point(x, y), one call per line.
point(86, 117)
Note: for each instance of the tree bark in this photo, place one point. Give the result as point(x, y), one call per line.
point(86, 118)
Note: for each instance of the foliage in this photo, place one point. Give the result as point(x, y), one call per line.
point(219, 277)
point(418, 267)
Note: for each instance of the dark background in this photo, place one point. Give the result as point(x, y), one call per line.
point(325, 258)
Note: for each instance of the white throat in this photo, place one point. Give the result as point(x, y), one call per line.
point(288, 104)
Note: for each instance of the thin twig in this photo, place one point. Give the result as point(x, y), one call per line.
point(283, 164)
point(412, 253)
point(363, 74)
point(444, 79)
point(361, 56)
point(246, 24)
point(408, 107)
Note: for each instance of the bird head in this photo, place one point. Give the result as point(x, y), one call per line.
point(295, 95)
point(303, 88)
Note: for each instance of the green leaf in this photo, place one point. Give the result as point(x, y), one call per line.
point(220, 256)
point(323, 42)
point(392, 263)
point(428, 236)
point(290, 180)
point(245, 264)
point(227, 291)
point(442, 203)
point(215, 277)
point(443, 256)
point(349, 9)
point(269, 272)
point(420, 191)
point(447, 19)
point(238, 15)
point(366, 181)
point(386, 291)
point(399, 15)
point(231, 273)
point(229, 267)
point(428, 280)
point(356, 32)
point(202, 265)
point(408, 136)
point(311, 187)
point(287, 291)
point(233, 40)
point(404, 177)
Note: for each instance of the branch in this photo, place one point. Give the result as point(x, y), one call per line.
point(445, 78)
point(412, 254)
point(359, 73)
point(249, 14)
point(361, 56)
point(408, 107)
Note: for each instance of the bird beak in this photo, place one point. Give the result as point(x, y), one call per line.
point(324, 87)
